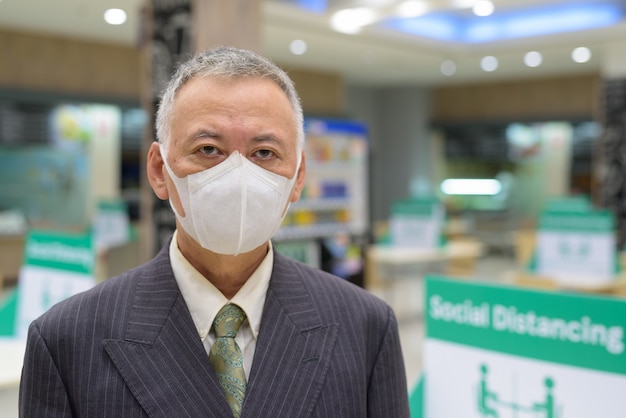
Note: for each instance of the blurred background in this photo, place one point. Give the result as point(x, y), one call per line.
point(438, 132)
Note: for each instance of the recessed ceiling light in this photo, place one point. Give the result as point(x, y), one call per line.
point(412, 8)
point(483, 8)
point(489, 63)
point(352, 20)
point(581, 54)
point(533, 59)
point(448, 68)
point(297, 47)
point(115, 16)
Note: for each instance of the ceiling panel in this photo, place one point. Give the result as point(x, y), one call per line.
point(379, 55)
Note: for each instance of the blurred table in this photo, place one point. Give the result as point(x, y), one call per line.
point(387, 265)
point(616, 287)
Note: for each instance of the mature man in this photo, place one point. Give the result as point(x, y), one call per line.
point(218, 324)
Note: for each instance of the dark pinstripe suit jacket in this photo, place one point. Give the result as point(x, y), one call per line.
point(129, 348)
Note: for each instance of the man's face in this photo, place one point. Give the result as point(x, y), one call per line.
point(213, 117)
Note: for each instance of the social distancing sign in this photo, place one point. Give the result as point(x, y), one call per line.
point(417, 223)
point(576, 247)
point(507, 352)
point(56, 265)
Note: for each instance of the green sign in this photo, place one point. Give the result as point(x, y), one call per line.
point(56, 265)
point(8, 308)
point(111, 224)
point(502, 351)
point(591, 221)
point(567, 328)
point(417, 223)
point(576, 247)
point(570, 204)
point(62, 251)
point(424, 207)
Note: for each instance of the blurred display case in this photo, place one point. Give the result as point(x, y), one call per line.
point(328, 226)
point(334, 198)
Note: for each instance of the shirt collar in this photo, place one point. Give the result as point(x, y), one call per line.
point(204, 300)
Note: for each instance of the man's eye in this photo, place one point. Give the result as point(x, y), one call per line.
point(209, 150)
point(264, 153)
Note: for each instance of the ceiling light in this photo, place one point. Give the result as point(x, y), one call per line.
point(115, 16)
point(483, 8)
point(297, 47)
point(489, 63)
point(533, 59)
point(581, 54)
point(411, 8)
point(488, 187)
point(448, 68)
point(536, 21)
point(352, 20)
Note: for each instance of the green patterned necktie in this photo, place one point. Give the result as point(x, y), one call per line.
point(226, 358)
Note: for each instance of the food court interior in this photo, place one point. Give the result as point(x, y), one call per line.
point(478, 143)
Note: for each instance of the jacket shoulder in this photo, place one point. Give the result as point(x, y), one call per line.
point(331, 293)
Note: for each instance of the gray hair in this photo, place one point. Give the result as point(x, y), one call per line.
point(225, 62)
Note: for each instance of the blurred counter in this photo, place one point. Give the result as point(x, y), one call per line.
point(386, 263)
point(615, 288)
point(11, 254)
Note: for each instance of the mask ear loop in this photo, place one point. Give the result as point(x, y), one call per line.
point(294, 178)
point(300, 152)
point(163, 152)
point(173, 176)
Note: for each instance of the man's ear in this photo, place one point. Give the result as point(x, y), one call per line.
point(299, 184)
point(155, 171)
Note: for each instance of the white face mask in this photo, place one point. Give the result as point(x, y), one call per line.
point(234, 207)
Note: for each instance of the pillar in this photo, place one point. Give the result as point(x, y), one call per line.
point(610, 166)
point(173, 30)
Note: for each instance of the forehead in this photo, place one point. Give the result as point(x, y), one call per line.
point(226, 106)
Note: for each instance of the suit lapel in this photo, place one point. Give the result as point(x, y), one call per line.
point(293, 351)
point(161, 358)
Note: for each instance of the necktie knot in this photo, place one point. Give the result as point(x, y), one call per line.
point(228, 320)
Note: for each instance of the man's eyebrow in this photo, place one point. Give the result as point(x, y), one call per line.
point(203, 132)
point(267, 138)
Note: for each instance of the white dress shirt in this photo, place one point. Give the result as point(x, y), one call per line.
point(204, 301)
